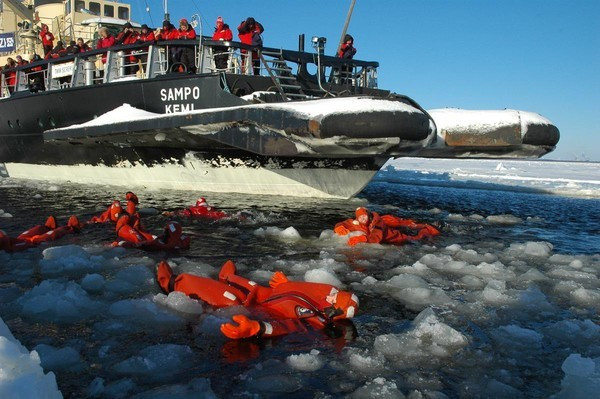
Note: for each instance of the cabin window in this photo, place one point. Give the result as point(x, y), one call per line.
point(95, 8)
point(109, 11)
point(123, 13)
point(79, 5)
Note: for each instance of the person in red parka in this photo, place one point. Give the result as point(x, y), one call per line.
point(106, 41)
point(383, 229)
point(346, 52)
point(82, 45)
point(47, 39)
point(282, 308)
point(21, 61)
point(220, 53)
point(249, 32)
point(10, 76)
point(184, 55)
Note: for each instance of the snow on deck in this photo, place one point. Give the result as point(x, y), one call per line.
point(484, 121)
point(314, 109)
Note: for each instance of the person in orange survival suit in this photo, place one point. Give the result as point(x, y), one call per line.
point(382, 229)
point(284, 307)
point(112, 214)
point(10, 244)
point(172, 238)
point(200, 210)
point(49, 231)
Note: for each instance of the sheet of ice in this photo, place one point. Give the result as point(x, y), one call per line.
point(21, 375)
point(69, 259)
point(144, 312)
point(566, 178)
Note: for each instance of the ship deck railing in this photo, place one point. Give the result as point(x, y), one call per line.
point(149, 60)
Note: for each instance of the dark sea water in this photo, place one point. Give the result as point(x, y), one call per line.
point(113, 334)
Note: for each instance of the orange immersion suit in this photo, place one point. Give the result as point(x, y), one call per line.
point(49, 232)
point(110, 215)
point(284, 307)
point(382, 229)
point(202, 210)
point(132, 236)
point(10, 244)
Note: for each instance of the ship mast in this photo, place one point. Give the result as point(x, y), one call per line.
point(346, 25)
point(166, 7)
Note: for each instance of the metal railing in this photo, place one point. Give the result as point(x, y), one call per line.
point(148, 60)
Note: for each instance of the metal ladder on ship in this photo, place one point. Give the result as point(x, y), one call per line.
point(282, 76)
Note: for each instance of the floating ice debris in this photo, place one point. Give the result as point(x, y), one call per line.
point(305, 361)
point(161, 361)
point(582, 378)
point(378, 388)
point(5, 214)
point(21, 375)
point(322, 276)
point(180, 302)
point(58, 302)
point(504, 219)
point(60, 359)
point(284, 234)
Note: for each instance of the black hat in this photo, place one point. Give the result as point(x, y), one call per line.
point(166, 23)
point(127, 25)
point(250, 21)
point(348, 37)
point(144, 26)
point(72, 43)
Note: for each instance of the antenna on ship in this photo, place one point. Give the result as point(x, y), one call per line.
point(166, 7)
point(345, 25)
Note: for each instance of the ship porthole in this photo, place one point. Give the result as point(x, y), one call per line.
point(51, 121)
point(10, 125)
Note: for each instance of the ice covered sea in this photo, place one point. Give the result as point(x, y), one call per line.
point(504, 304)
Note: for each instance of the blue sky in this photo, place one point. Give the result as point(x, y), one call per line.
point(534, 55)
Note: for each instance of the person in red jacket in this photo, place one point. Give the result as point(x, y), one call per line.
point(47, 39)
point(146, 35)
point(10, 76)
point(184, 55)
point(200, 210)
point(385, 229)
point(82, 45)
point(249, 32)
point(58, 51)
point(346, 52)
point(105, 42)
point(21, 61)
point(112, 214)
point(220, 53)
point(282, 308)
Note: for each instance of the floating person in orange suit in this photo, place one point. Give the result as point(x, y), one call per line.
point(135, 237)
point(284, 307)
point(112, 214)
point(383, 229)
point(10, 244)
point(201, 210)
point(49, 231)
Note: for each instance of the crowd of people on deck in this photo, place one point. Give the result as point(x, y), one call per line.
point(284, 307)
point(181, 58)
